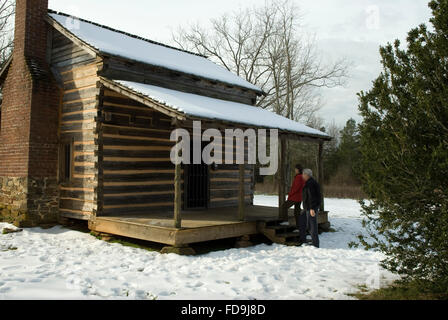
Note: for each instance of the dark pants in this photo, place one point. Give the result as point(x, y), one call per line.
point(288, 204)
point(307, 222)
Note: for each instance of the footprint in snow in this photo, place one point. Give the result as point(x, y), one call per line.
point(167, 294)
point(278, 277)
point(222, 282)
point(196, 285)
point(236, 290)
point(4, 290)
point(11, 268)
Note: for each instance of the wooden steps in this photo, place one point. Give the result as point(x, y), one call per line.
point(279, 233)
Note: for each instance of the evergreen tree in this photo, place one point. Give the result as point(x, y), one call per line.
point(348, 152)
point(349, 139)
point(404, 147)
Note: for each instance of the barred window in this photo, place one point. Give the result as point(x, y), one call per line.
point(66, 162)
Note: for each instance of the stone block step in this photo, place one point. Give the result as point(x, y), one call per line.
point(289, 235)
point(281, 228)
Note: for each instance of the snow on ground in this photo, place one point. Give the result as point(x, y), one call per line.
point(63, 264)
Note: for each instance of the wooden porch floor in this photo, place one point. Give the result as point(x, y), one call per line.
point(203, 218)
point(197, 226)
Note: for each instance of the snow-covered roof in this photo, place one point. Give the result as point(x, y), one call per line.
point(117, 43)
point(196, 106)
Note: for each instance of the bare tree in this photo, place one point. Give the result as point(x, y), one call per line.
point(237, 41)
point(7, 8)
point(268, 47)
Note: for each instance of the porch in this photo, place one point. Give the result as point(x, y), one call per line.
point(197, 225)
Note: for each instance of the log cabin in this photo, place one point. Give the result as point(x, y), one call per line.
point(86, 119)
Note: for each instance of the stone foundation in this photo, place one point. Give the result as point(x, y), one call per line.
point(28, 202)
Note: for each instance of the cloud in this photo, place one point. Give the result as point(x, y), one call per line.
point(355, 29)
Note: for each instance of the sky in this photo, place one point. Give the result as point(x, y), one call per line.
point(350, 29)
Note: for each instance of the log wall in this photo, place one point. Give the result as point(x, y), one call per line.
point(121, 148)
point(138, 175)
point(76, 71)
point(224, 186)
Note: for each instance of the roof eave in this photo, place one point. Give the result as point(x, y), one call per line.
point(181, 116)
point(106, 55)
point(134, 95)
point(59, 27)
point(311, 136)
point(297, 135)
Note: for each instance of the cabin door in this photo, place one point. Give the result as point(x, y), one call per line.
point(196, 186)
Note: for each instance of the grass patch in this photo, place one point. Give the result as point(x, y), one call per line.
point(225, 244)
point(200, 248)
point(9, 231)
point(132, 243)
point(10, 248)
point(213, 246)
point(399, 291)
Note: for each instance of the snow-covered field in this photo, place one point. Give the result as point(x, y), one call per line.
point(62, 264)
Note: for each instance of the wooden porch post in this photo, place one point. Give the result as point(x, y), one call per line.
point(320, 177)
point(282, 178)
point(241, 194)
point(177, 191)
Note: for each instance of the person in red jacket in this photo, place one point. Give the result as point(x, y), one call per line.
point(295, 194)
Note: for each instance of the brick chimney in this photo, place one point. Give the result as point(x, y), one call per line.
point(29, 124)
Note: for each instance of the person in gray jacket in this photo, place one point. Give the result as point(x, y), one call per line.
point(311, 206)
